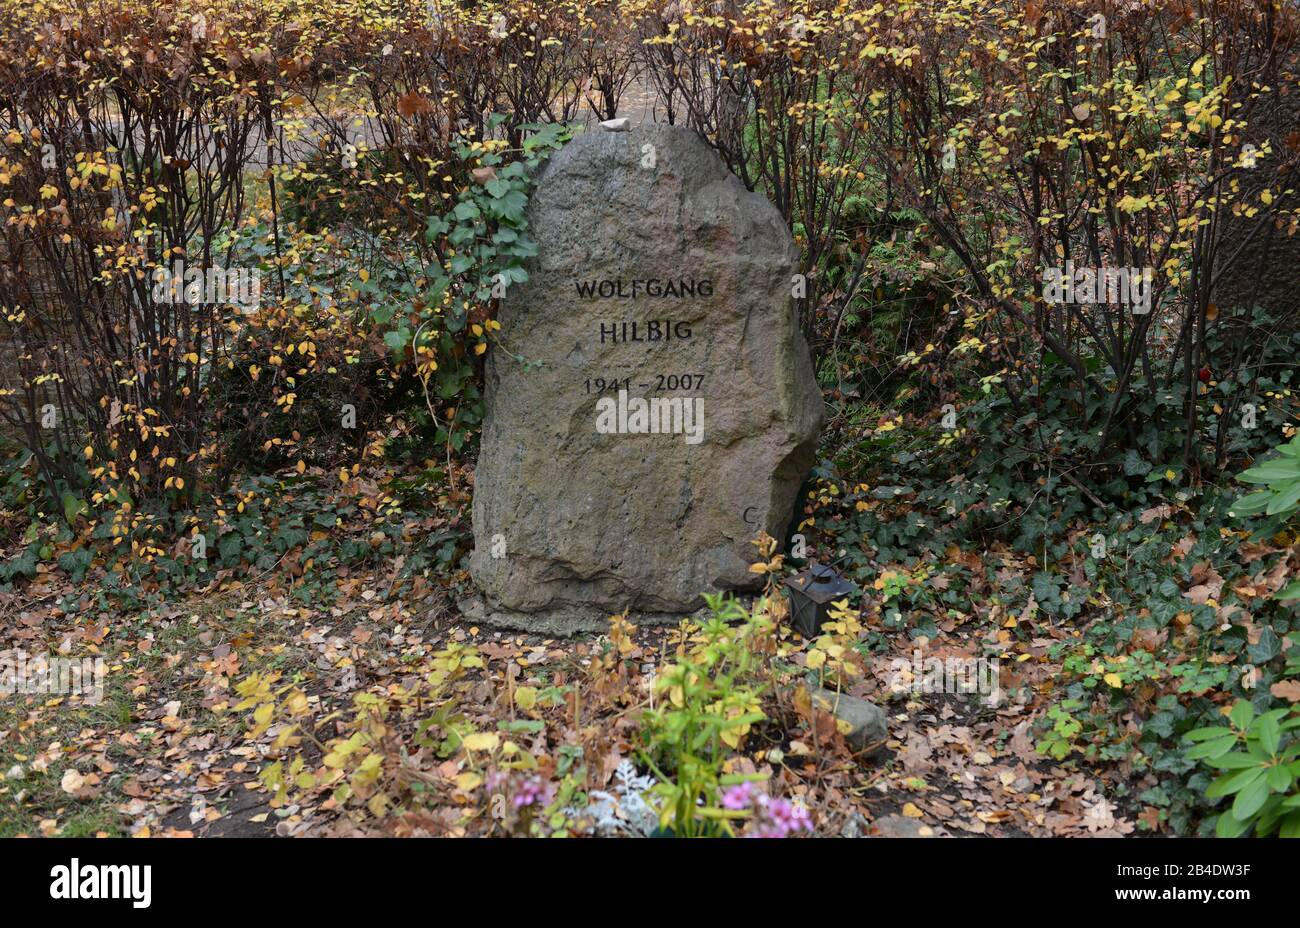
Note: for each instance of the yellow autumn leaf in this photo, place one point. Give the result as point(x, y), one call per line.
point(482, 741)
point(526, 697)
point(1114, 680)
point(468, 780)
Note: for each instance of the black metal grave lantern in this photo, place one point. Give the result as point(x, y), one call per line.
point(811, 593)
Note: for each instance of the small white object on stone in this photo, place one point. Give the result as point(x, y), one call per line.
point(616, 125)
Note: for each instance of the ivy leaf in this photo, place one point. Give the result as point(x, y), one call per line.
point(397, 339)
point(1268, 647)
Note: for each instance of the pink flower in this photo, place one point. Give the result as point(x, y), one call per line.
point(530, 791)
point(738, 797)
point(779, 818)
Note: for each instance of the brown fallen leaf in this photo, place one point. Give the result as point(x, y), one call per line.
point(1286, 689)
point(1163, 511)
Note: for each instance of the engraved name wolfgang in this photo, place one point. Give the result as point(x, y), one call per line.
point(654, 287)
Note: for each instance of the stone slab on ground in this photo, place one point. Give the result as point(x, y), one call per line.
point(869, 724)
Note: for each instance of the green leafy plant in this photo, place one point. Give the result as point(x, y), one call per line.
point(710, 701)
point(365, 769)
point(1059, 740)
point(1281, 478)
point(441, 316)
point(1280, 498)
point(1261, 759)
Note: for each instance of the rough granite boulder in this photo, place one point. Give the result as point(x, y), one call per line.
point(651, 404)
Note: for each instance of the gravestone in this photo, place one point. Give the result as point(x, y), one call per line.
point(650, 403)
